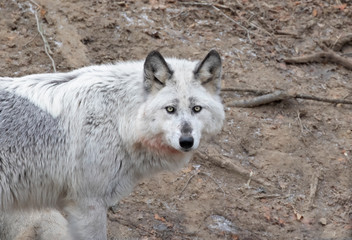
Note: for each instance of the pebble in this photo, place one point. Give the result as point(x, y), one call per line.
point(322, 221)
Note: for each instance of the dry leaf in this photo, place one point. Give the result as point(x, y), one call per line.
point(315, 12)
point(341, 7)
point(298, 216)
point(267, 214)
point(42, 12)
point(235, 237)
point(157, 217)
point(187, 170)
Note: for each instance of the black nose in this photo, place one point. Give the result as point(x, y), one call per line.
point(186, 142)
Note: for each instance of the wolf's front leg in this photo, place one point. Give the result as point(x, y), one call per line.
point(87, 220)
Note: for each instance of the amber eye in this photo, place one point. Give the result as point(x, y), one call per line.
point(197, 109)
point(170, 109)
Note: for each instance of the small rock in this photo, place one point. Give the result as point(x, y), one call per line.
point(220, 223)
point(115, 208)
point(323, 221)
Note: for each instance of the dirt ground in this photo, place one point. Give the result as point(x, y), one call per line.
point(279, 171)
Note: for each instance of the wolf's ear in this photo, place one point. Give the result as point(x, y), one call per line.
point(208, 72)
point(156, 72)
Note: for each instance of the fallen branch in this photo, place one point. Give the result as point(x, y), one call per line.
point(322, 57)
point(269, 97)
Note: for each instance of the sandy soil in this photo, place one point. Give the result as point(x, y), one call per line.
point(298, 151)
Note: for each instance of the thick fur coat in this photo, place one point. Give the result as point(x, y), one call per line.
point(79, 141)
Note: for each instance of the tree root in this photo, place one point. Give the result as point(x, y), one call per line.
point(269, 97)
point(340, 42)
point(230, 165)
point(322, 57)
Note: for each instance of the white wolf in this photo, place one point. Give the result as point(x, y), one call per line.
point(79, 141)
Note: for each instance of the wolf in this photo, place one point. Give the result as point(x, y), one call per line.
point(79, 141)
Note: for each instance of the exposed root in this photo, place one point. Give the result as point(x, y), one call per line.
point(228, 164)
point(340, 42)
point(269, 97)
point(258, 101)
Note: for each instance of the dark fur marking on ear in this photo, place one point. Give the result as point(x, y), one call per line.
point(207, 81)
point(212, 53)
point(158, 81)
point(156, 70)
point(208, 72)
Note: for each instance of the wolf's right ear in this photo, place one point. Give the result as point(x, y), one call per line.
point(208, 72)
point(156, 72)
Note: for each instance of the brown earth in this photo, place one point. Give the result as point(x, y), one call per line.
point(298, 151)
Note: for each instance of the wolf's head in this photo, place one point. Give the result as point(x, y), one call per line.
point(182, 102)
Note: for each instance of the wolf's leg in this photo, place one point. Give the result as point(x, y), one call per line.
point(17, 225)
point(32, 224)
point(87, 220)
point(52, 225)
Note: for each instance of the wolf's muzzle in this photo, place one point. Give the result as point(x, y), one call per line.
point(186, 142)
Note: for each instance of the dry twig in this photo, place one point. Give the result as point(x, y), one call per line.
point(129, 224)
point(209, 176)
point(313, 190)
point(188, 181)
point(268, 196)
point(47, 49)
point(217, 8)
point(206, 174)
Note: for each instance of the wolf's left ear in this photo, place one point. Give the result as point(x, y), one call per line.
point(208, 72)
point(156, 72)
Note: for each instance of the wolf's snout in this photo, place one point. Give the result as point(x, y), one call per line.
point(186, 142)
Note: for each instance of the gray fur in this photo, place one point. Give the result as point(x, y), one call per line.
point(79, 141)
point(26, 132)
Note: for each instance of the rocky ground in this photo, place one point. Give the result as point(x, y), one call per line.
point(278, 171)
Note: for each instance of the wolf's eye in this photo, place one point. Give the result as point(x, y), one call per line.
point(170, 109)
point(197, 109)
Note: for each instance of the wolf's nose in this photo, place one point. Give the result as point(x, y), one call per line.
point(186, 142)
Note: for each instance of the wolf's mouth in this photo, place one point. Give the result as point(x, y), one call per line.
point(157, 144)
